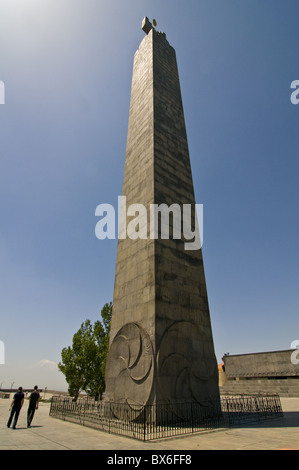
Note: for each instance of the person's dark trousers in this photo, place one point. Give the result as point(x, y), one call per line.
point(15, 411)
point(30, 414)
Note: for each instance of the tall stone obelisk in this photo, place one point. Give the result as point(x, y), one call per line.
point(161, 345)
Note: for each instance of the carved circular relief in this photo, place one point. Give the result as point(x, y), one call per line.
point(186, 364)
point(130, 368)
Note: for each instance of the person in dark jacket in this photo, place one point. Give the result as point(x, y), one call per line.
point(15, 408)
point(33, 405)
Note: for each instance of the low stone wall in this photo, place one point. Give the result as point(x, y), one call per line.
point(288, 387)
point(264, 364)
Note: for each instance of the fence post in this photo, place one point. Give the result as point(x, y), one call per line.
point(228, 415)
point(109, 417)
point(192, 423)
point(144, 422)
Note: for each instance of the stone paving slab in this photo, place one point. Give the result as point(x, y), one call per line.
point(48, 433)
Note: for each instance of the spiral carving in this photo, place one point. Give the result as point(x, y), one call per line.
point(130, 367)
point(186, 364)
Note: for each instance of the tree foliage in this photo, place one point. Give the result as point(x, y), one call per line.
point(83, 364)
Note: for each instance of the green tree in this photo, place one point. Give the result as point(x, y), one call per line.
point(83, 364)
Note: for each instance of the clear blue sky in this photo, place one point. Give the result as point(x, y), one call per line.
point(67, 68)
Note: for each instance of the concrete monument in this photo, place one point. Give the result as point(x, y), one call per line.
point(161, 345)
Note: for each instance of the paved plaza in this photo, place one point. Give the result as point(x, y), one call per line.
point(48, 433)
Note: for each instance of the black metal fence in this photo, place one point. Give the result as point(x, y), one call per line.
point(167, 420)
